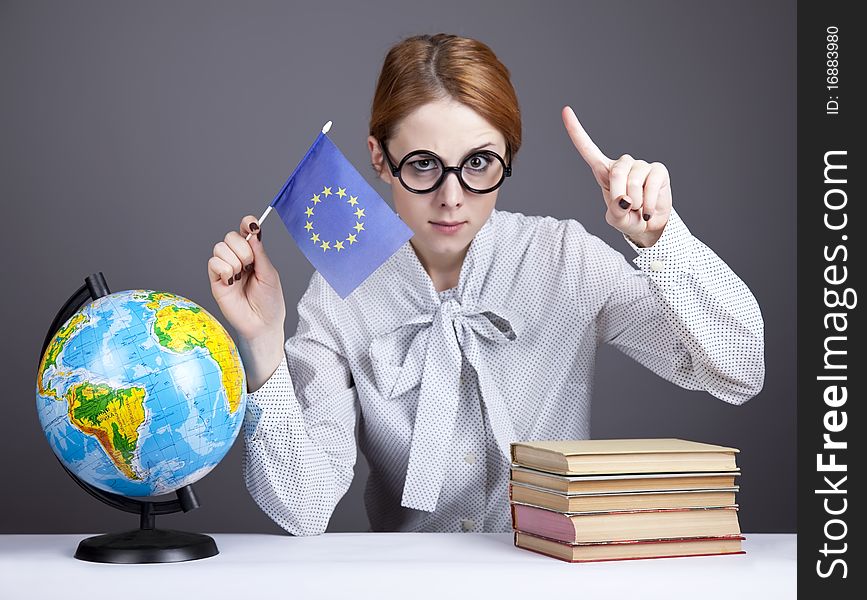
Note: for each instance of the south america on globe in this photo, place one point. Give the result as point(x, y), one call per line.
point(141, 393)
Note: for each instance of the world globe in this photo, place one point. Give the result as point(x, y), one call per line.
point(140, 393)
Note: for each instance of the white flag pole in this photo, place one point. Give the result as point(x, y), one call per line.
point(325, 129)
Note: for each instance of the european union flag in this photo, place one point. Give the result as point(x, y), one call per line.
point(343, 227)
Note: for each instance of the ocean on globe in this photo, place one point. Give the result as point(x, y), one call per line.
point(141, 393)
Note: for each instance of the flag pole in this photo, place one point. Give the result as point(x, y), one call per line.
point(325, 129)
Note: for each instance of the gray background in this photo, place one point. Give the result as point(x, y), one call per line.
point(134, 135)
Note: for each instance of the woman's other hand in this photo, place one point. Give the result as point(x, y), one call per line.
point(637, 194)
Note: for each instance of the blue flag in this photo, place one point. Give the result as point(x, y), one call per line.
point(343, 227)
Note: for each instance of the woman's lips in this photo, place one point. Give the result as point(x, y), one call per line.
point(443, 227)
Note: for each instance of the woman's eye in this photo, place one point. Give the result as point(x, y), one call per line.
point(478, 162)
point(424, 164)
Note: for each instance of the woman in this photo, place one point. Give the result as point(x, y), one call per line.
point(482, 329)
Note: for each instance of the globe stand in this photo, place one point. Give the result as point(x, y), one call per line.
point(147, 544)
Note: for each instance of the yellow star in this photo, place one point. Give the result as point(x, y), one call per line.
point(315, 238)
point(341, 192)
point(351, 239)
point(309, 211)
point(338, 245)
point(353, 200)
point(315, 199)
point(359, 226)
point(359, 212)
point(309, 226)
point(325, 246)
point(327, 191)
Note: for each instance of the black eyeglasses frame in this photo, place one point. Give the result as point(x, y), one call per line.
point(395, 170)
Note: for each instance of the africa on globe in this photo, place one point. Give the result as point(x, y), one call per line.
point(141, 393)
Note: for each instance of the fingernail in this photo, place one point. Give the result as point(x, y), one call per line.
point(249, 267)
point(646, 217)
point(238, 276)
point(231, 280)
point(254, 227)
point(624, 203)
point(259, 236)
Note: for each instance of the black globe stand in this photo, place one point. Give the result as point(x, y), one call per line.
point(147, 544)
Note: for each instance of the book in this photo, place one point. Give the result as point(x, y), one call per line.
point(616, 456)
point(637, 482)
point(616, 501)
point(597, 527)
point(631, 549)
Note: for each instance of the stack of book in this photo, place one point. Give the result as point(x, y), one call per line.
point(593, 500)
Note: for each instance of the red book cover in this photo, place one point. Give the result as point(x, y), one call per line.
point(628, 543)
point(560, 526)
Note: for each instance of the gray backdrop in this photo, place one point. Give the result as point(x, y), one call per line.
point(134, 135)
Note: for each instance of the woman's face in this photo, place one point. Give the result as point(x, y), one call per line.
point(450, 130)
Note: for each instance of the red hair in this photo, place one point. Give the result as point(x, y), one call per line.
point(426, 68)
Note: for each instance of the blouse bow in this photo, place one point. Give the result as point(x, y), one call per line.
point(434, 361)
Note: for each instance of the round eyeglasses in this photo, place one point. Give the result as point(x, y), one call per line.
point(422, 171)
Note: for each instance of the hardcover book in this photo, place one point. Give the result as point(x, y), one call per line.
point(613, 501)
point(630, 549)
point(616, 456)
point(637, 482)
point(598, 527)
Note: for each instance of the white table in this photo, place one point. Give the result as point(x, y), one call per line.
point(390, 565)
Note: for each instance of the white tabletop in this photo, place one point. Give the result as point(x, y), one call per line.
point(390, 565)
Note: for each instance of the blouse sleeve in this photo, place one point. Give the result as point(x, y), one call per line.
point(299, 427)
point(687, 317)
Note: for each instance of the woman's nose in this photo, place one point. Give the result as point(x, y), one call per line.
point(451, 193)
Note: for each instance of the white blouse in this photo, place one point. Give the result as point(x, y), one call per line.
point(439, 384)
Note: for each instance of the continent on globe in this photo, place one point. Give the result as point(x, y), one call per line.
point(181, 329)
point(112, 416)
point(50, 358)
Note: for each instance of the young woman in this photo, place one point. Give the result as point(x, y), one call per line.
point(482, 329)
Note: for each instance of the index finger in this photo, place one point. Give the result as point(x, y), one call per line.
point(589, 151)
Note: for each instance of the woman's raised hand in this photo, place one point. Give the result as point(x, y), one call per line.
point(637, 194)
point(247, 289)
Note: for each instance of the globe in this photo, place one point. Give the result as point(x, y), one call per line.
point(141, 393)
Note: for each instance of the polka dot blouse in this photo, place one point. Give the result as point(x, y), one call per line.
point(440, 383)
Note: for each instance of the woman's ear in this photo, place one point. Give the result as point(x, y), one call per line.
point(377, 160)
